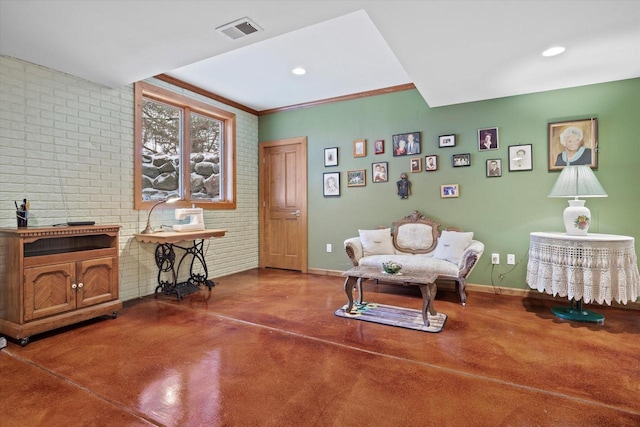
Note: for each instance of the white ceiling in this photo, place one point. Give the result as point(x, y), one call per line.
point(453, 51)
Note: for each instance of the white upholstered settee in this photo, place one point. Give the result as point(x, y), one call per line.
point(416, 243)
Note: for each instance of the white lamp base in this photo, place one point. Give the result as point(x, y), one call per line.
point(577, 218)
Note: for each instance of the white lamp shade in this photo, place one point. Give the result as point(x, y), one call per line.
point(577, 181)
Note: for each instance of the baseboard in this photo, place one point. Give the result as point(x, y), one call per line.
point(323, 272)
point(487, 289)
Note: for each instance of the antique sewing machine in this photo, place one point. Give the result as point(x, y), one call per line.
point(196, 219)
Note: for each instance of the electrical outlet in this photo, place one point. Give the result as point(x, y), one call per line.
point(329, 247)
point(511, 259)
point(495, 258)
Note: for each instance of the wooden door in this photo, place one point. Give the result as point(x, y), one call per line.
point(283, 204)
point(97, 281)
point(48, 290)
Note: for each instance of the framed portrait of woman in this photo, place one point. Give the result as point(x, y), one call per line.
point(488, 139)
point(331, 184)
point(573, 142)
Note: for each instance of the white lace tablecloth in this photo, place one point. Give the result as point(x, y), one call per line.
point(595, 267)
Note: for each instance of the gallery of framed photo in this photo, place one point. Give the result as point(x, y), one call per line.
point(405, 144)
point(520, 158)
point(378, 146)
point(331, 156)
point(430, 163)
point(357, 178)
point(446, 141)
point(379, 172)
point(494, 168)
point(360, 148)
point(573, 143)
point(488, 139)
point(449, 190)
point(416, 164)
point(459, 160)
point(331, 184)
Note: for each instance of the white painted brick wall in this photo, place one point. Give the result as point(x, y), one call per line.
point(58, 129)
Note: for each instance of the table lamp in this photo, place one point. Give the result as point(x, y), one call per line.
point(577, 181)
point(148, 229)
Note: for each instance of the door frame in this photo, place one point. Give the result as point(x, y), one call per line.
point(262, 189)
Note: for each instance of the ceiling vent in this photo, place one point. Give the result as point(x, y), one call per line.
point(240, 28)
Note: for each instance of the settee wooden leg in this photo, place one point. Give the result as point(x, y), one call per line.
point(463, 296)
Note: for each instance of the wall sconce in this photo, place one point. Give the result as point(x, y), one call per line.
point(577, 181)
point(148, 229)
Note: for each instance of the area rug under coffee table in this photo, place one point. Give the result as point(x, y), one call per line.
point(393, 316)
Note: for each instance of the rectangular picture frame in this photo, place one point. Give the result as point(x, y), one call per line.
point(582, 136)
point(406, 144)
point(448, 191)
point(360, 148)
point(461, 160)
point(494, 168)
point(379, 172)
point(520, 158)
point(331, 184)
point(356, 178)
point(488, 139)
point(416, 164)
point(331, 156)
point(431, 163)
point(378, 146)
point(446, 141)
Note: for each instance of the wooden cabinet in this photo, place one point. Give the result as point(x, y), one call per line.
point(54, 277)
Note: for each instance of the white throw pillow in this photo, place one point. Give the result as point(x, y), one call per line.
point(451, 245)
point(376, 242)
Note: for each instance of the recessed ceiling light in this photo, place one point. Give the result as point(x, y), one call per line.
point(553, 51)
point(298, 71)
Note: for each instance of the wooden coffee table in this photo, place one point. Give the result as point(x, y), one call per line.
point(426, 282)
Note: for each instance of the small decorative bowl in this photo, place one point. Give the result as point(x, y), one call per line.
point(391, 267)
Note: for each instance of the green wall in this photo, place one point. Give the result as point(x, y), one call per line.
point(500, 211)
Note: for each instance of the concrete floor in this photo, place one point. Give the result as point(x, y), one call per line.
point(264, 348)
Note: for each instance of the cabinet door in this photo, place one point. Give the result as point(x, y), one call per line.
point(97, 281)
point(48, 290)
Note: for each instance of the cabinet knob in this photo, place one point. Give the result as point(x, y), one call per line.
point(74, 286)
point(80, 285)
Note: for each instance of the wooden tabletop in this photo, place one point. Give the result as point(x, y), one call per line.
point(179, 236)
point(406, 277)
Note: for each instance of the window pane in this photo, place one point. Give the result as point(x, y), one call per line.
point(183, 147)
point(161, 137)
point(206, 154)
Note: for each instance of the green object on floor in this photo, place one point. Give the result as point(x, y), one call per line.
point(576, 313)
